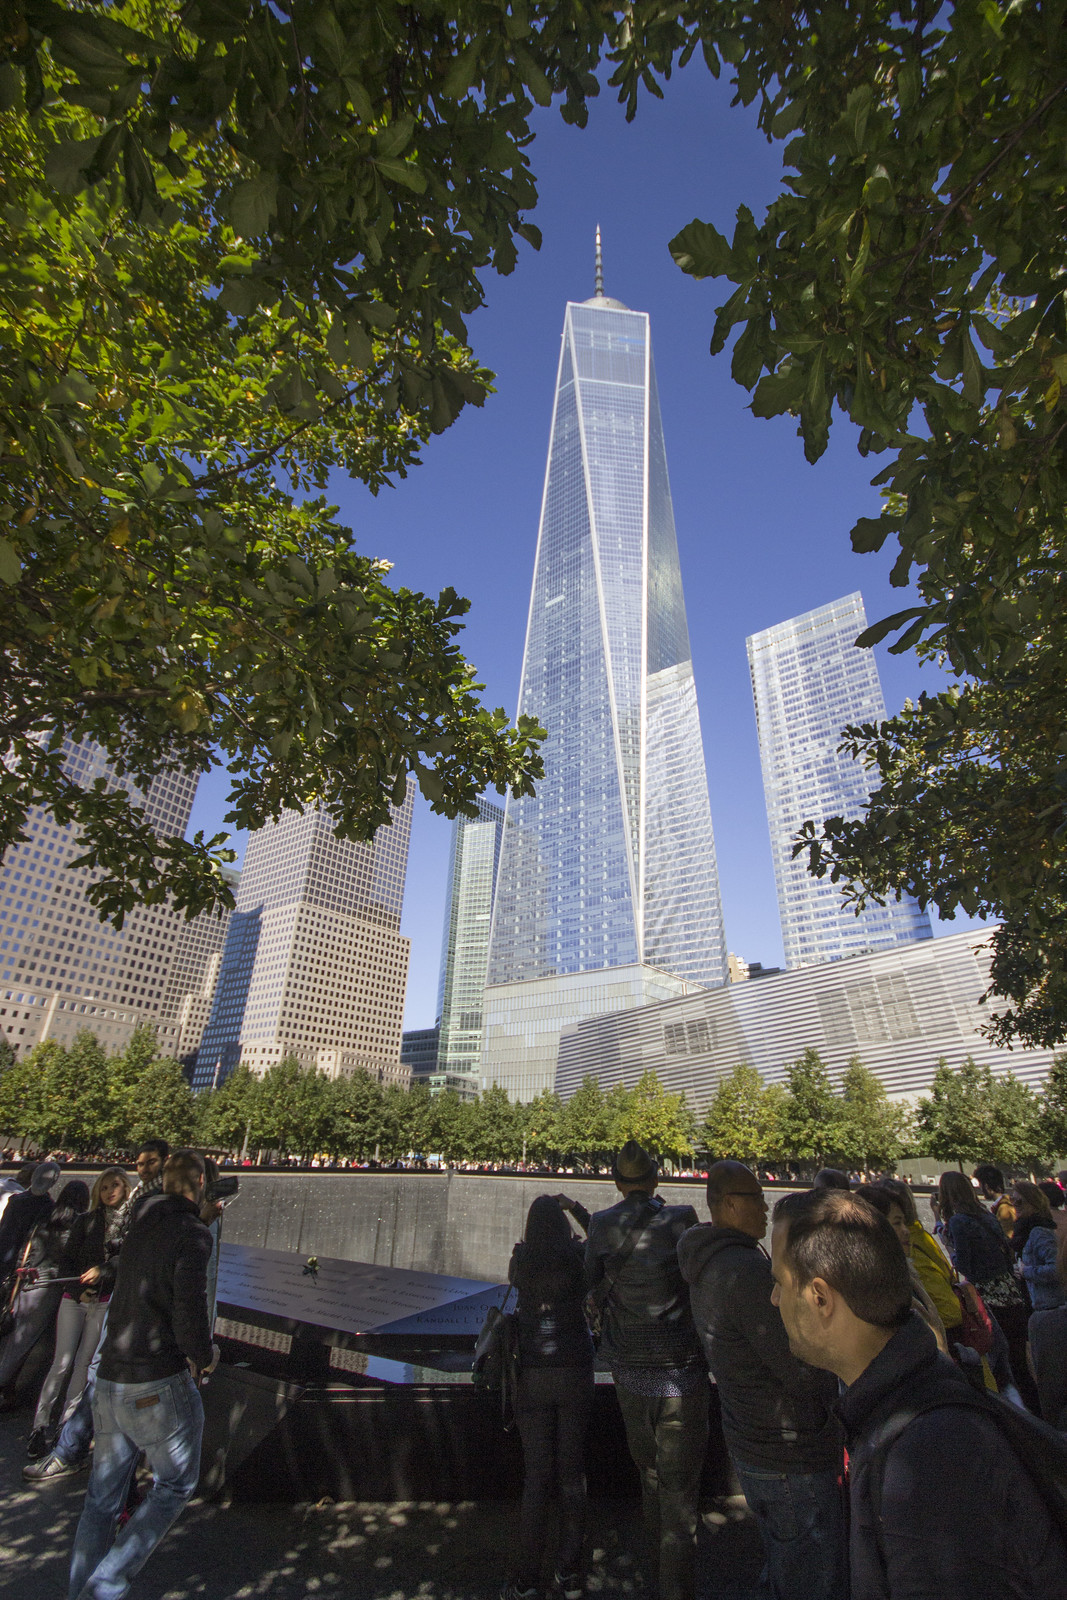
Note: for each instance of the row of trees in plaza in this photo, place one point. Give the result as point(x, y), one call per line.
point(969, 1115)
point(81, 1100)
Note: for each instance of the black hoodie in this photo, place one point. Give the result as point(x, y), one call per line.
point(157, 1318)
point(775, 1409)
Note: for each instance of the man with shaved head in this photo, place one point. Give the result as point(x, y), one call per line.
point(775, 1408)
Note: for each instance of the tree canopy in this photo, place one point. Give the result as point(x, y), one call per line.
point(911, 274)
point(238, 245)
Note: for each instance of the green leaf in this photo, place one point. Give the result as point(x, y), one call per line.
point(702, 251)
point(878, 630)
point(10, 565)
point(66, 163)
point(402, 172)
point(869, 534)
point(252, 205)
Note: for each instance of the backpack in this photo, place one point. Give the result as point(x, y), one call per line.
point(496, 1358)
point(1039, 1449)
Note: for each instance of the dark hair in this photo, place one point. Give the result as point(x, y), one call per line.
point(1052, 1193)
point(186, 1166)
point(989, 1176)
point(548, 1264)
point(25, 1173)
point(71, 1201)
point(842, 1239)
point(876, 1196)
point(957, 1196)
point(159, 1146)
point(1031, 1194)
point(903, 1196)
point(831, 1178)
point(722, 1176)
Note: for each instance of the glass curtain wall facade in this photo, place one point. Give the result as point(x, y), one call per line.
point(611, 864)
point(808, 681)
point(474, 857)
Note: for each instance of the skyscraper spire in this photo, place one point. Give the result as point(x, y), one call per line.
point(599, 290)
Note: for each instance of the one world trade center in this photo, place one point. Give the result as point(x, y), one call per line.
point(607, 894)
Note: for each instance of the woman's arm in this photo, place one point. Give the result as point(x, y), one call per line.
point(1039, 1257)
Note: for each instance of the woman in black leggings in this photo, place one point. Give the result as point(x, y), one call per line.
point(555, 1392)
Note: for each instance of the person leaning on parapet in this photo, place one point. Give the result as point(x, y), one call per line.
point(941, 1507)
point(651, 1345)
point(990, 1181)
point(157, 1347)
point(776, 1419)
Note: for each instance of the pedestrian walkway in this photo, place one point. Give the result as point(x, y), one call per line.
point(351, 1551)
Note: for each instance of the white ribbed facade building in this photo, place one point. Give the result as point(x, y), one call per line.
point(901, 1012)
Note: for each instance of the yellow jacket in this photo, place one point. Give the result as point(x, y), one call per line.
point(935, 1272)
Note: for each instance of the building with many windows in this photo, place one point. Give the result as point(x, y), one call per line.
point(418, 1052)
point(314, 964)
point(474, 856)
point(809, 680)
point(62, 969)
point(607, 893)
point(901, 1012)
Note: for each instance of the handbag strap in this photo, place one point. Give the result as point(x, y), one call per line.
point(602, 1292)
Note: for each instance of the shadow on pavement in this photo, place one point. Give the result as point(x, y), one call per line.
point(354, 1551)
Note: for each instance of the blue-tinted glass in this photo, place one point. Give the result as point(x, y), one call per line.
point(612, 862)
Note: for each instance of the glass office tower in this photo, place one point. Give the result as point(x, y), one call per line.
point(608, 891)
point(808, 681)
point(473, 860)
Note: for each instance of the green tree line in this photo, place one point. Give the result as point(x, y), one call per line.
point(77, 1098)
point(969, 1115)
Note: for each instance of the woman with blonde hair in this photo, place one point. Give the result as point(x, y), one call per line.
point(92, 1246)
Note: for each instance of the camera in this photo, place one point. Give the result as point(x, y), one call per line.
point(224, 1189)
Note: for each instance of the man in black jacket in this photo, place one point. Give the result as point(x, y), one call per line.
point(776, 1416)
point(941, 1507)
point(157, 1347)
point(651, 1345)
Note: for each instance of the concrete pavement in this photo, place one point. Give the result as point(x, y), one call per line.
point(351, 1551)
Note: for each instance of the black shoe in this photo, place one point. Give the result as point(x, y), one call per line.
point(569, 1585)
point(39, 1444)
point(511, 1591)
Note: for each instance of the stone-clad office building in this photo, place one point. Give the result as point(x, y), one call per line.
point(900, 1011)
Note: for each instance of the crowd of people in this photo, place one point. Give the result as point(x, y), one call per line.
point(125, 1277)
point(862, 1361)
point(872, 1379)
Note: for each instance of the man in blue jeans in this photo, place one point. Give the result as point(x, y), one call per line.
point(157, 1347)
point(775, 1409)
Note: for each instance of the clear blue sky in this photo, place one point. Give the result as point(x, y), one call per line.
point(762, 535)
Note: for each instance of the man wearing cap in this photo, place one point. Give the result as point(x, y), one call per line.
point(650, 1342)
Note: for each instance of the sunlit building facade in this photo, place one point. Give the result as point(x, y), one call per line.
point(607, 894)
point(62, 969)
point(809, 680)
point(314, 965)
point(474, 857)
